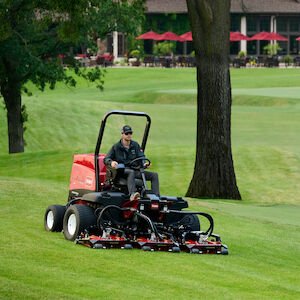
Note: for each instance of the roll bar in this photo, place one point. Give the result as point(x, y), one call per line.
point(101, 133)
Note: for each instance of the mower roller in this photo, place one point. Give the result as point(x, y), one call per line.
point(100, 215)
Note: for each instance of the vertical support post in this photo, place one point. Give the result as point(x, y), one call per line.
point(115, 45)
point(244, 31)
point(273, 29)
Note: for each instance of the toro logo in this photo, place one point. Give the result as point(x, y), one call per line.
point(89, 181)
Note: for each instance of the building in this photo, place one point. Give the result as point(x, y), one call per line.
point(247, 16)
point(281, 16)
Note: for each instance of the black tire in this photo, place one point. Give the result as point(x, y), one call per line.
point(195, 251)
point(175, 249)
point(224, 251)
point(190, 220)
point(77, 218)
point(194, 222)
point(53, 218)
point(146, 248)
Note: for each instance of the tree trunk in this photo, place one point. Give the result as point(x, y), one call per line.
point(11, 93)
point(214, 175)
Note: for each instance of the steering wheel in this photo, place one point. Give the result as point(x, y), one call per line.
point(136, 163)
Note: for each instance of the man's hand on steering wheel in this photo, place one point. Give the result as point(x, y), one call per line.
point(139, 162)
point(147, 164)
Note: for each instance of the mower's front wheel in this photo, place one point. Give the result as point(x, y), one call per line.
point(77, 218)
point(53, 219)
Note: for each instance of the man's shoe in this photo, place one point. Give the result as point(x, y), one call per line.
point(135, 196)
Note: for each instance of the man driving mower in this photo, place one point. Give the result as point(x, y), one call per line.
point(124, 152)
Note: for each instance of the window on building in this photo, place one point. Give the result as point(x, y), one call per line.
point(282, 24)
point(262, 47)
point(235, 23)
point(251, 24)
point(256, 24)
point(293, 45)
point(121, 44)
point(283, 47)
point(294, 24)
point(234, 48)
point(148, 46)
point(252, 48)
point(264, 24)
point(110, 43)
point(289, 27)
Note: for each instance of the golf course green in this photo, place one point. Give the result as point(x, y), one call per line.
point(261, 231)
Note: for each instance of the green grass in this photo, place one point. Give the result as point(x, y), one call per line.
point(262, 231)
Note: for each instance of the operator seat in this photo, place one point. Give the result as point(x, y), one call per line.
point(119, 182)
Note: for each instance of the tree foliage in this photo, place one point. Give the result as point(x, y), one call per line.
point(33, 36)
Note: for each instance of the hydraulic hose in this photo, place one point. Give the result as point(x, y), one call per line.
point(107, 208)
point(153, 227)
point(209, 231)
point(148, 220)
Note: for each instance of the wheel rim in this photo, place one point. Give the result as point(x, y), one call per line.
point(72, 224)
point(50, 219)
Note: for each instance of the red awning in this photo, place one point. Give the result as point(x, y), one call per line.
point(170, 36)
point(238, 36)
point(187, 36)
point(150, 35)
point(268, 36)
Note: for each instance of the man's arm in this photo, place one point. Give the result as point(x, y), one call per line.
point(110, 156)
point(140, 153)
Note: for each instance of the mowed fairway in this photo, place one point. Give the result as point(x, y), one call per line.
point(262, 230)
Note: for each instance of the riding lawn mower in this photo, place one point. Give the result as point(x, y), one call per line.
point(100, 215)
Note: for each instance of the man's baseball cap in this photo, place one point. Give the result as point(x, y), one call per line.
point(126, 129)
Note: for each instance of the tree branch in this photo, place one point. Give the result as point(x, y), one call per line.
point(194, 20)
point(201, 17)
point(205, 12)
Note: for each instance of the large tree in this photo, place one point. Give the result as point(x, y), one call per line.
point(34, 33)
point(214, 175)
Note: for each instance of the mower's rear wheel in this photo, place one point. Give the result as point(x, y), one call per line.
point(192, 221)
point(77, 218)
point(53, 219)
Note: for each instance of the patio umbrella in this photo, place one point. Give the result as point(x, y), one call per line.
point(268, 36)
point(170, 36)
point(298, 39)
point(187, 36)
point(150, 35)
point(238, 36)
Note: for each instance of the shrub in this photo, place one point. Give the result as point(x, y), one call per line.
point(165, 48)
point(242, 54)
point(288, 60)
point(272, 49)
point(135, 53)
